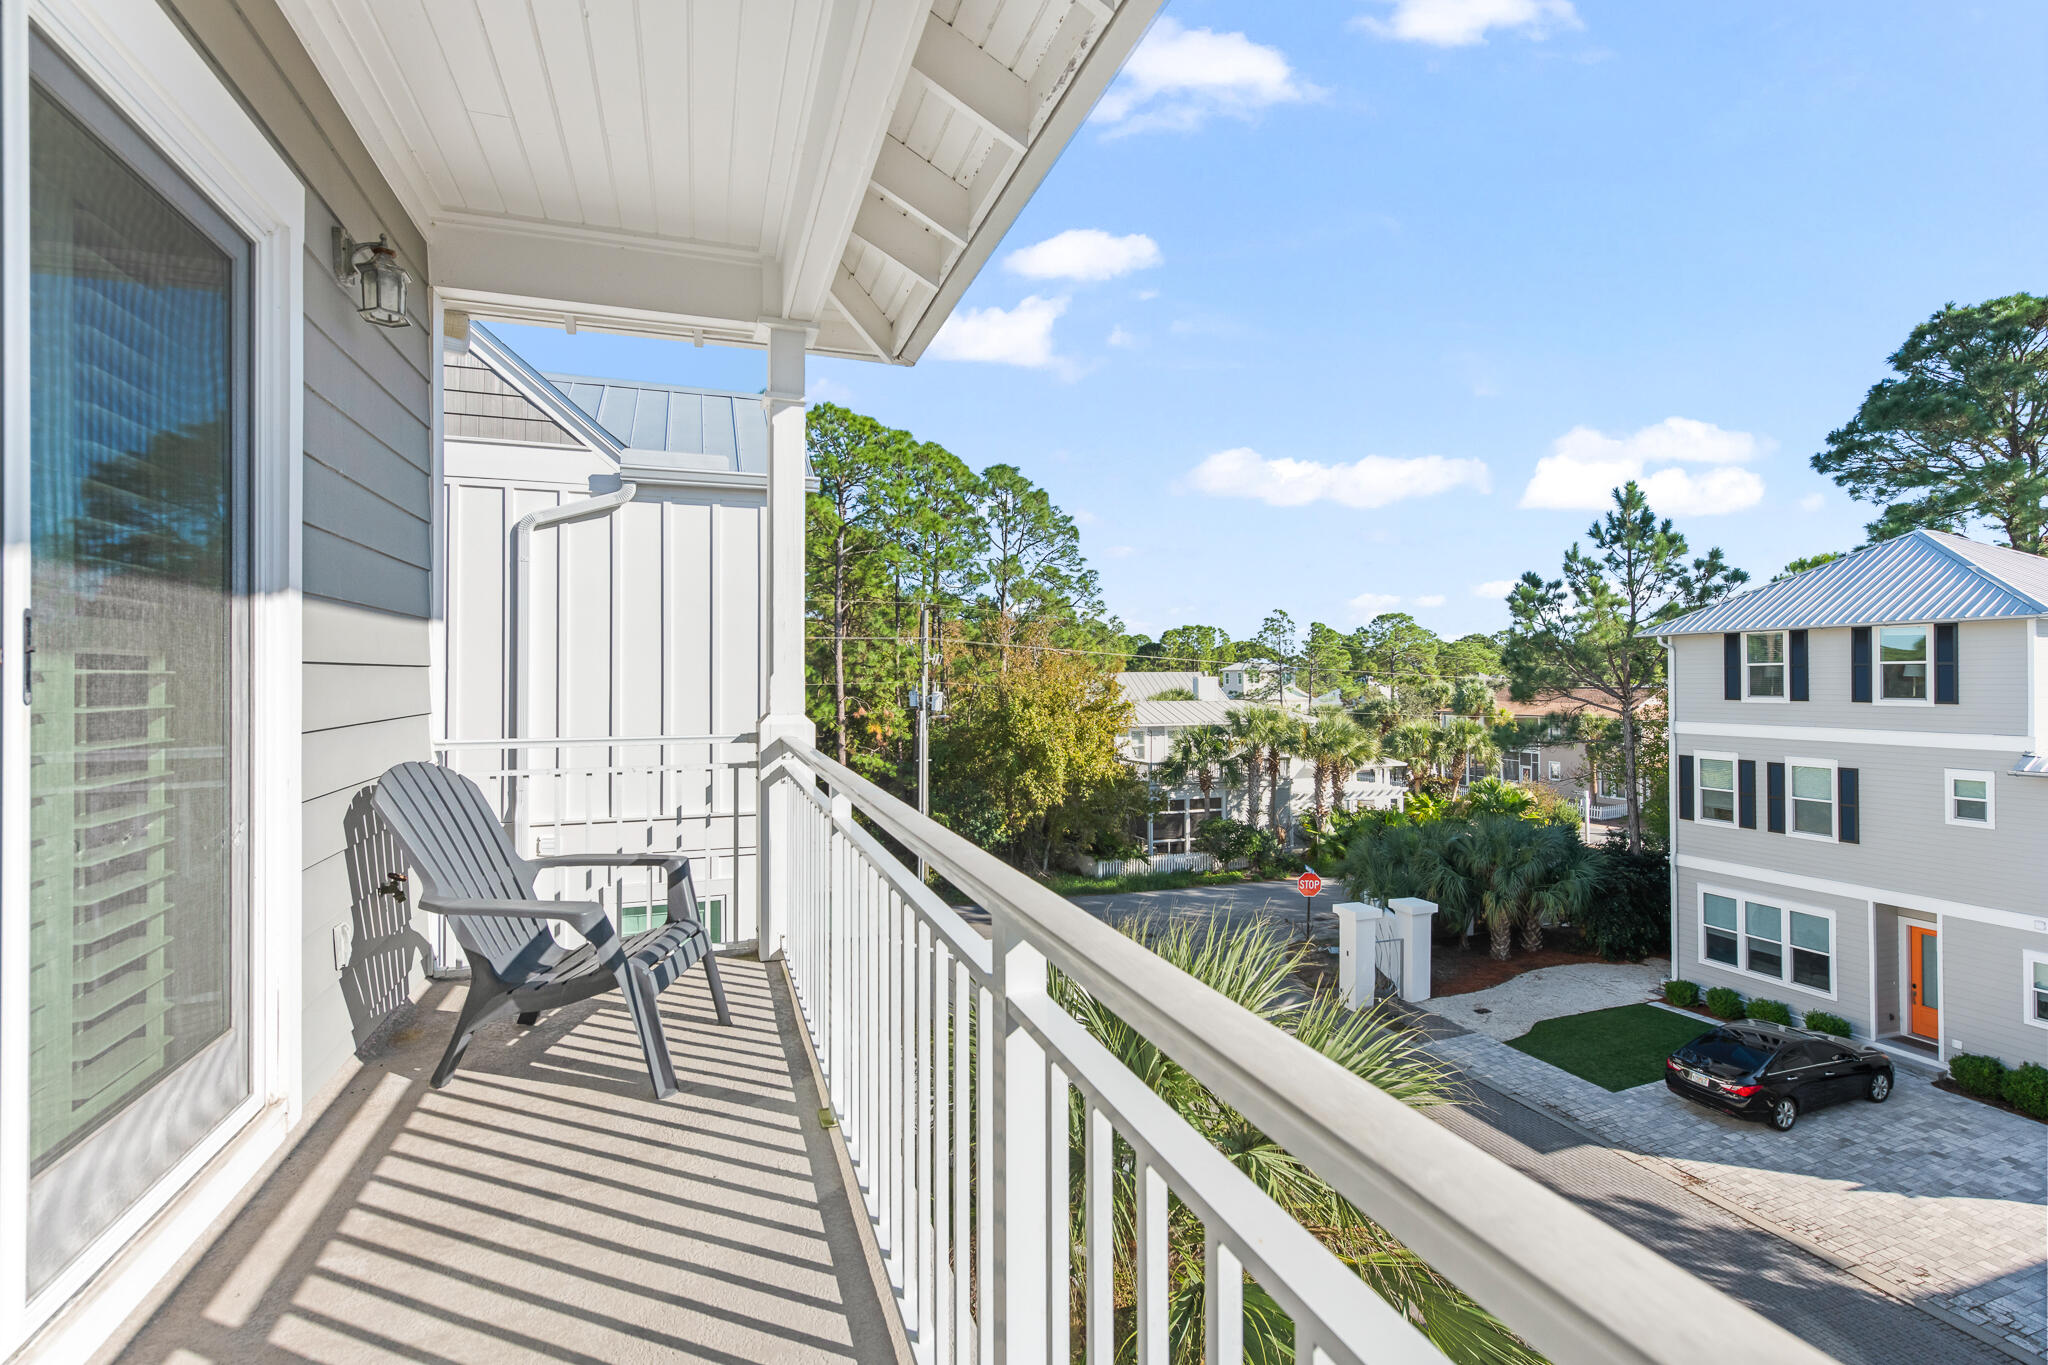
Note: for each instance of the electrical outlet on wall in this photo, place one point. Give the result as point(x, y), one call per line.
point(344, 945)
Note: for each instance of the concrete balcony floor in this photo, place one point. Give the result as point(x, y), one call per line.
point(544, 1207)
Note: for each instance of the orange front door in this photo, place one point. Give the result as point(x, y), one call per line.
point(1924, 1012)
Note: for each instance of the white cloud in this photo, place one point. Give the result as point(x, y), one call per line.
point(1083, 517)
point(1012, 336)
point(1367, 605)
point(1180, 76)
point(1119, 337)
point(1494, 588)
point(1461, 23)
point(1374, 481)
point(1435, 599)
point(824, 390)
point(1585, 465)
point(1146, 295)
point(1084, 254)
point(1813, 502)
point(1119, 552)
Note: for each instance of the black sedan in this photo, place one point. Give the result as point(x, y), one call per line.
point(1767, 1071)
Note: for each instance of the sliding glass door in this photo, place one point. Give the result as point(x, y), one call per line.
point(134, 667)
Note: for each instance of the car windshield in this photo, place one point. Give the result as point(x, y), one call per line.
point(1730, 1050)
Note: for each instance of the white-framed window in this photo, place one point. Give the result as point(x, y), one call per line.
point(1763, 665)
point(1556, 770)
point(1905, 664)
point(1714, 774)
point(1810, 788)
point(1793, 945)
point(1969, 797)
point(2035, 999)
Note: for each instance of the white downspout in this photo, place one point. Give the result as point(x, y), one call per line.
point(521, 724)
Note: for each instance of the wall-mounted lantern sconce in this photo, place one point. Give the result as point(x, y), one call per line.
point(371, 269)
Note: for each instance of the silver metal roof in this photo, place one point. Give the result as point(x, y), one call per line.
point(2031, 765)
point(1920, 576)
point(1175, 714)
point(668, 424)
point(1140, 686)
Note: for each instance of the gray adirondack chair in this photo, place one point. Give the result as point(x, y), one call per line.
point(469, 873)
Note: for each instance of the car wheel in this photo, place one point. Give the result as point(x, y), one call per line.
point(1785, 1114)
point(1880, 1087)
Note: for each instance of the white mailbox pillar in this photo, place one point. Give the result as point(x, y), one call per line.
point(1412, 916)
point(1358, 930)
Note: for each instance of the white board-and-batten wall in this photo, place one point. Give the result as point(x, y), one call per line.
point(647, 622)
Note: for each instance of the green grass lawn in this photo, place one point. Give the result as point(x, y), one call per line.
point(1618, 1049)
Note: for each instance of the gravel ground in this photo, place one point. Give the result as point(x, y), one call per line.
point(1512, 1008)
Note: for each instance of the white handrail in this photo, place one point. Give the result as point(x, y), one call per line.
point(1577, 1289)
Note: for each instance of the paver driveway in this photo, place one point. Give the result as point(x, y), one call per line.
point(1943, 1198)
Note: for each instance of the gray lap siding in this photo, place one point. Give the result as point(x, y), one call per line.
point(1850, 965)
point(1986, 992)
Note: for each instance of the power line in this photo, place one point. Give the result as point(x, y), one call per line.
point(1116, 654)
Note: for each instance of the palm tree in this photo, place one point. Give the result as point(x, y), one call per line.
point(1334, 743)
point(1203, 757)
point(1417, 744)
point(1256, 968)
point(1498, 870)
point(1466, 741)
point(1492, 796)
point(1245, 732)
point(1283, 741)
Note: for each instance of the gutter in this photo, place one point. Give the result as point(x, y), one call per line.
point(584, 509)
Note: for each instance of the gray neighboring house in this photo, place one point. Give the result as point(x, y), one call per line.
point(1862, 799)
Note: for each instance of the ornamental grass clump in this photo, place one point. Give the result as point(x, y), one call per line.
point(1258, 968)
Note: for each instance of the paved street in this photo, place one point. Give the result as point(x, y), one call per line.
point(1944, 1198)
point(1826, 1306)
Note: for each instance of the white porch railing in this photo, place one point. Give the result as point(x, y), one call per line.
point(692, 794)
point(951, 1071)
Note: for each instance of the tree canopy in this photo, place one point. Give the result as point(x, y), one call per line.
point(1953, 438)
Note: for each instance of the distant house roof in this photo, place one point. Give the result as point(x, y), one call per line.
point(1175, 714)
point(1920, 576)
point(1139, 686)
point(669, 424)
point(1569, 702)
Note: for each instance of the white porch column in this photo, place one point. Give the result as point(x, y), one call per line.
point(1412, 914)
point(782, 662)
point(1358, 932)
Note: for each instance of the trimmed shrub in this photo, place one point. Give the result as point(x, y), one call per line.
point(1684, 994)
point(2026, 1089)
point(1628, 917)
point(1820, 1021)
point(1980, 1076)
point(1725, 1004)
point(1770, 1012)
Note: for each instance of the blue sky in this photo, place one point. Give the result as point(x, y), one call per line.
point(1347, 307)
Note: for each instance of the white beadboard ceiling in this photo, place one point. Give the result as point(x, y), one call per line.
point(696, 167)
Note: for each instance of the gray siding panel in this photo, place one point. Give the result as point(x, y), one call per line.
point(1985, 991)
point(367, 457)
point(1993, 670)
point(1851, 948)
point(1907, 845)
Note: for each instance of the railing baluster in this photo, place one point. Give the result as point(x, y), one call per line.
point(1059, 1231)
point(942, 1151)
point(1151, 1265)
point(1100, 1228)
point(985, 1044)
point(963, 1206)
point(1222, 1301)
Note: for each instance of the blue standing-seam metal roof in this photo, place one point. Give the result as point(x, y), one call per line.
point(2031, 765)
point(695, 428)
point(1919, 576)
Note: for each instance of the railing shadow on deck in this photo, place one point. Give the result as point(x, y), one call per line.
point(544, 1206)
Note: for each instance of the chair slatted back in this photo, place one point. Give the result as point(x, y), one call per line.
point(462, 851)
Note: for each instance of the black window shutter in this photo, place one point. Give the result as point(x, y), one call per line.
point(1797, 644)
point(1731, 667)
point(1685, 786)
point(1745, 793)
point(1847, 823)
point(1859, 664)
point(1946, 691)
point(1774, 797)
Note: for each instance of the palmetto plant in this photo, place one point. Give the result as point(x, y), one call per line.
point(1500, 871)
point(1203, 757)
point(1255, 967)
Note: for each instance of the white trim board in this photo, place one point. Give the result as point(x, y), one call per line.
point(1827, 734)
point(1981, 914)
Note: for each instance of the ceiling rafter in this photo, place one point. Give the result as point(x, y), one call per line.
point(975, 83)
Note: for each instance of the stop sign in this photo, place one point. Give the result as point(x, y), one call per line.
point(1308, 884)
